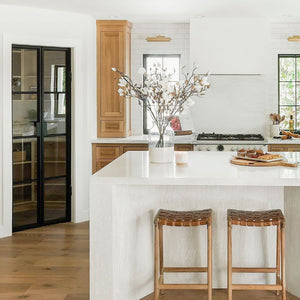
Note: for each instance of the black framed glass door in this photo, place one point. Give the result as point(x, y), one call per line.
point(41, 106)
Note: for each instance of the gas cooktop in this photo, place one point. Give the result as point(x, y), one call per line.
point(229, 137)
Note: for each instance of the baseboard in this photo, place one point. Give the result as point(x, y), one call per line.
point(83, 216)
point(5, 232)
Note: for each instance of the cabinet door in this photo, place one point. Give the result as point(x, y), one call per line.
point(103, 155)
point(111, 52)
point(107, 152)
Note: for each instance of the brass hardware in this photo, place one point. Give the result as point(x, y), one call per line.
point(294, 38)
point(159, 38)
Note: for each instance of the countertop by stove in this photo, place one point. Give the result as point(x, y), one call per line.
point(191, 139)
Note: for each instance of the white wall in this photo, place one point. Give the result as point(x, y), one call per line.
point(20, 25)
point(280, 45)
point(179, 33)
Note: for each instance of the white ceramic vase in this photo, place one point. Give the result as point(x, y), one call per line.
point(161, 155)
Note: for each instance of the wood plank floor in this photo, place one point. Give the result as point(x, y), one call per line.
point(219, 295)
point(52, 263)
point(48, 263)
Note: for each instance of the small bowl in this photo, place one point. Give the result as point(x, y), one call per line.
point(241, 153)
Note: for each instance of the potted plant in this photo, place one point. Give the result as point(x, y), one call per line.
point(163, 101)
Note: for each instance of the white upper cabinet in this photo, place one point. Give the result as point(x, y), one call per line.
point(230, 45)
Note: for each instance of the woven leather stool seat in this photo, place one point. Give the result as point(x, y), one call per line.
point(183, 218)
point(255, 218)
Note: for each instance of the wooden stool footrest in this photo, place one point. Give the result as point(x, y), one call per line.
point(183, 286)
point(184, 270)
point(254, 270)
point(268, 287)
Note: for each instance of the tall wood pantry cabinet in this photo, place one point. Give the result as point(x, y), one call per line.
point(113, 51)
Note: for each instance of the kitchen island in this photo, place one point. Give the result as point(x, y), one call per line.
point(126, 194)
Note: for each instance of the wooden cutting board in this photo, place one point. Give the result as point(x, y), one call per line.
point(243, 162)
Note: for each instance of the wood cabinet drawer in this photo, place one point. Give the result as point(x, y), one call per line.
point(284, 148)
point(136, 147)
point(107, 152)
point(112, 126)
point(183, 147)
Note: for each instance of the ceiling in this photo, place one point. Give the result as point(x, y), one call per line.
point(171, 10)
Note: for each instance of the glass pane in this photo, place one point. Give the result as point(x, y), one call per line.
point(55, 71)
point(24, 114)
point(287, 93)
point(24, 204)
point(61, 104)
point(287, 68)
point(172, 65)
point(151, 61)
point(55, 199)
point(298, 68)
point(55, 156)
point(54, 103)
point(26, 97)
point(298, 93)
point(24, 70)
point(286, 111)
point(297, 127)
point(24, 160)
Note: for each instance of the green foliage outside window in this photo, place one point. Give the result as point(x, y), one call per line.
point(289, 89)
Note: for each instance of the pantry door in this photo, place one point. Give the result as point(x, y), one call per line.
point(41, 106)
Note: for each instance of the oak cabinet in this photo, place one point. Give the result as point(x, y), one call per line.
point(183, 147)
point(113, 51)
point(103, 154)
point(135, 147)
point(284, 148)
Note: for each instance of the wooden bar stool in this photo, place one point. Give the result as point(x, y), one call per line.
point(187, 219)
point(258, 218)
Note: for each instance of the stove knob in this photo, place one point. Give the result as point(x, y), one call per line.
point(207, 149)
point(220, 148)
point(232, 149)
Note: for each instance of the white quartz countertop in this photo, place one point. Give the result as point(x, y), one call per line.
point(190, 139)
point(141, 139)
point(204, 168)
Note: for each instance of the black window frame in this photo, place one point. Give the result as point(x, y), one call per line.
point(296, 82)
point(145, 56)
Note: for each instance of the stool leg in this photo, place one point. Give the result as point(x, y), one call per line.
point(278, 257)
point(156, 263)
point(283, 262)
point(161, 256)
point(229, 262)
point(209, 260)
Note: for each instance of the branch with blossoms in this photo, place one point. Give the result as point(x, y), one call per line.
point(162, 98)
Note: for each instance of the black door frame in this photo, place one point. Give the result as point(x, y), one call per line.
point(40, 135)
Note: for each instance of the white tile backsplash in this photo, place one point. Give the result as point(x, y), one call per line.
point(178, 32)
point(234, 103)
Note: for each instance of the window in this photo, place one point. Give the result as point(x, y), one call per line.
point(289, 89)
point(169, 61)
